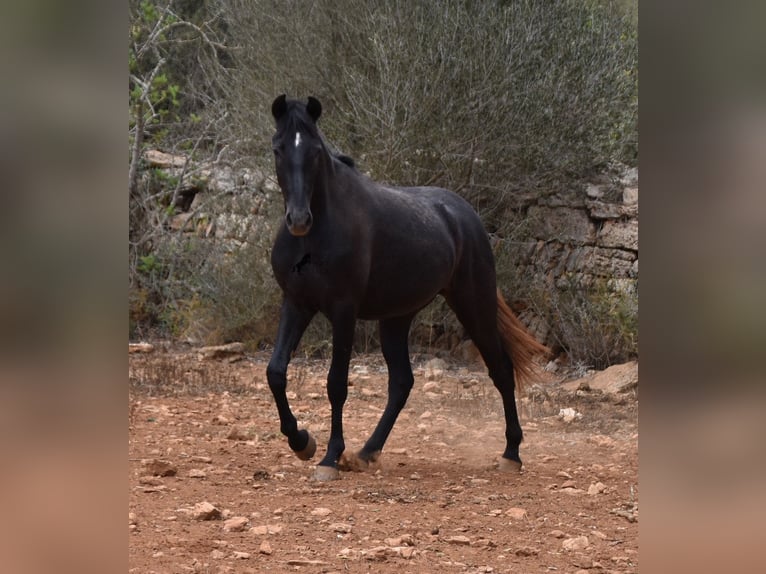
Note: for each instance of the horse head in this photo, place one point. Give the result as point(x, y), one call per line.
point(298, 156)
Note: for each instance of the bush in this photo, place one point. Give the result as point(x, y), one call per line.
point(596, 325)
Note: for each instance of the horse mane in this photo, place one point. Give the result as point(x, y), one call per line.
point(343, 158)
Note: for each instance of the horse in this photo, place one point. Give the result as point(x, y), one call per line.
point(351, 248)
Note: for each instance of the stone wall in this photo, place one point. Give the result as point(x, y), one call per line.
point(580, 239)
point(575, 239)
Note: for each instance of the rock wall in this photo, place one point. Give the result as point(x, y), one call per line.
point(574, 239)
point(583, 238)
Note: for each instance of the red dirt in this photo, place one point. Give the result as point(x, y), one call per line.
point(435, 503)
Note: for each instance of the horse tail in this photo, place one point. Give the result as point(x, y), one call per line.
point(519, 343)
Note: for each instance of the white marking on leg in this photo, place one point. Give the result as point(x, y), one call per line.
point(297, 139)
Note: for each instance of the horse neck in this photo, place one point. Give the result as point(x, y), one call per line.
point(324, 185)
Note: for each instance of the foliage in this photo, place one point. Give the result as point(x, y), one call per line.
point(495, 100)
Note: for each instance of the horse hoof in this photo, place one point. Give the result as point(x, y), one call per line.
point(326, 473)
point(508, 465)
point(308, 452)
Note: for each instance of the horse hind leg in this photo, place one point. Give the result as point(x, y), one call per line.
point(477, 311)
point(393, 339)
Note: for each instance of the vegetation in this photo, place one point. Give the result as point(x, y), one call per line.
point(491, 99)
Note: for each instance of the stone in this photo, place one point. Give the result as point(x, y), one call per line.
point(265, 548)
point(569, 414)
point(459, 540)
point(156, 158)
point(205, 511)
point(596, 488)
point(516, 513)
point(197, 473)
point(140, 348)
point(557, 534)
point(221, 351)
point(619, 234)
point(217, 555)
point(340, 527)
point(431, 386)
point(577, 543)
point(527, 551)
point(236, 432)
point(630, 195)
point(235, 524)
point(158, 467)
point(594, 191)
point(321, 512)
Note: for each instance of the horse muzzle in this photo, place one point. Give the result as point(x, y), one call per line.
point(298, 223)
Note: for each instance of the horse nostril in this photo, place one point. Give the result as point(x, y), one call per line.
point(289, 219)
point(309, 219)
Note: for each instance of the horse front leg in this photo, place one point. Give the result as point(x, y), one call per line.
point(343, 322)
point(293, 321)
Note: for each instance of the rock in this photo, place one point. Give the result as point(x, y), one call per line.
point(150, 480)
point(527, 551)
point(630, 195)
point(197, 473)
point(557, 534)
point(596, 488)
point(321, 512)
point(614, 380)
point(594, 191)
point(431, 386)
point(434, 369)
point(217, 555)
point(516, 513)
point(140, 348)
point(265, 548)
point(157, 467)
point(340, 527)
point(568, 484)
point(563, 474)
point(577, 543)
point(304, 562)
point(403, 540)
point(265, 529)
point(378, 553)
point(205, 511)
point(205, 459)
point(458, 540)
point(241, 555)
point(236, 524)
point(238, 433)
point(569, 414)
point(221, 351)
point(156, 158)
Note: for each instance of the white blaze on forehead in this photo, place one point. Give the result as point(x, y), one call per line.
point(297, 139)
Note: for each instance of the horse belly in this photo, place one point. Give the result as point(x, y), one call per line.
point(404, 285)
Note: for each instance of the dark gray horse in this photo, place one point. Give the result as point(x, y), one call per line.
point(351, 248)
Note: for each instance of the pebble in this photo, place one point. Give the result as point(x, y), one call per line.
point(596, 488)
point(205, 511)
point(197, 473)
point(158, 467)
point(321, 512)
point(236, 524)
point(340, 527)
point(265, 548)
point(557, 534)
point(516, 513)
point(241, 555)
point(577, 543)
point(459, 540)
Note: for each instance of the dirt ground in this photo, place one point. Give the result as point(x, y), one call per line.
point(435, 503)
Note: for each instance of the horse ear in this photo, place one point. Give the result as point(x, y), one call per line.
point(314, 108)
point(279, 106)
